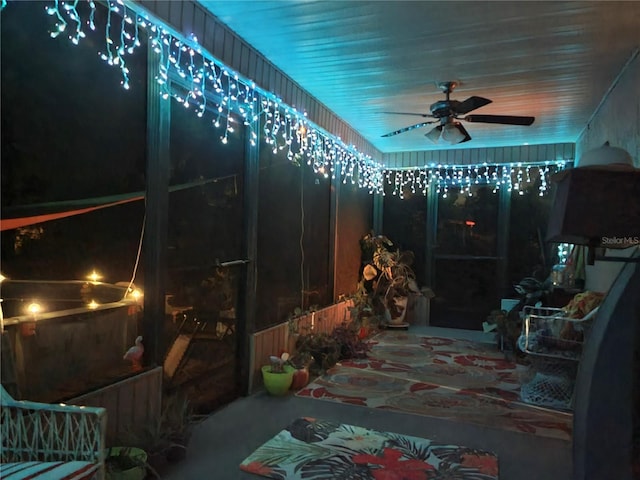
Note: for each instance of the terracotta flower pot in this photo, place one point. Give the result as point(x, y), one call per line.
point(300, 378)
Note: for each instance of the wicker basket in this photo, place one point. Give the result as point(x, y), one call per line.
point(553, 343)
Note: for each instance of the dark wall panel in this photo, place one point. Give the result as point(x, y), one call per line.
point(354, 220)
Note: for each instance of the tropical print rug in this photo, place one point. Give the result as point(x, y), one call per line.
point(439, 377)
point(313, 449)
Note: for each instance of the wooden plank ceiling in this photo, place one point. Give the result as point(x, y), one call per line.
point(555, 61)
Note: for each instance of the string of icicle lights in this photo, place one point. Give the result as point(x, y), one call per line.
point(563, 251)
point(464, 178)
point(201, 78)
point(207, 86)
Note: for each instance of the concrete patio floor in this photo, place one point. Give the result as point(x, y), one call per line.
point(225, 438)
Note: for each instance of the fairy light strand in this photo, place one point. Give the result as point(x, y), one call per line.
point(514, 177)
point(204, 79)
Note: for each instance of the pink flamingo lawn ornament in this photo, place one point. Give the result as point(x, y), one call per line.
point(134, 354)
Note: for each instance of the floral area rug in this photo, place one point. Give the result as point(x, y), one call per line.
point(439, 377)
point(316, 449)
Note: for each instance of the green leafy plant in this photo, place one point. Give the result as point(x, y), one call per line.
point(126, 462)
point(301, 360)
point(296, 315)
point(327, 349)
point(324, 350)
point(349, 342)
point(386, 276)
point(509, 323)
point(169, 433)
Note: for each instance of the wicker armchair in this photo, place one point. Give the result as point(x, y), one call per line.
point(40, 440)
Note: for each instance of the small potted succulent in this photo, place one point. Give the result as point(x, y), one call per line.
point(278, 375)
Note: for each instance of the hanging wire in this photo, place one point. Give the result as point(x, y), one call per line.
point(139, 252)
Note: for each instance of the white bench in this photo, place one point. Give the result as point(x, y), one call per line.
point(46, 441)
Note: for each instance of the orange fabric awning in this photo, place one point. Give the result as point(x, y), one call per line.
point(11, 223)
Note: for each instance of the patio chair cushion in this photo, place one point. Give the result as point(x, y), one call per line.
point(74, 470)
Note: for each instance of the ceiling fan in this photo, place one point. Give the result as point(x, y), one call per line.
point(446, 113)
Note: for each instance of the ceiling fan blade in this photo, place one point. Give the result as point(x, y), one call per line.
point(471, 103)
point(410, 113)
point(406, 129)
point(463, 130)
point(503, 119)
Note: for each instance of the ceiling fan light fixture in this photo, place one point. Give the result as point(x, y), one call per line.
point(452, 135)
point(434, 134)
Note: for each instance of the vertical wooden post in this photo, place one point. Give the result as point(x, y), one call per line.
point(333, 230)
point(431, 235)
point(156, 208)
point(378, 213)
point(247, 314)
point(502, 240)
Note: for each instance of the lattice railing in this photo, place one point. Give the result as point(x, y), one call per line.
point(31, 431)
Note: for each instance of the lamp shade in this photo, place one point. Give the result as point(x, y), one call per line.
point(596, 206)
point(606, 155)
point(434, 134)
point(452, 134)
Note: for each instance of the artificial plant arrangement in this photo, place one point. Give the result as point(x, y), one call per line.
point(387, 280)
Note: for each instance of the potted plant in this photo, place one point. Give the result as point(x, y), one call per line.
point(295, 329)
point(327, 349)
point(320, 346)
point(364, 315)
point(278, 375)
point(175, 427)
point(509, 323)
point(301, 361)
point(125, 463)
point(165, 438)
point(387, 279)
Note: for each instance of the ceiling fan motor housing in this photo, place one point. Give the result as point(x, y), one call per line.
point(444, 108)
